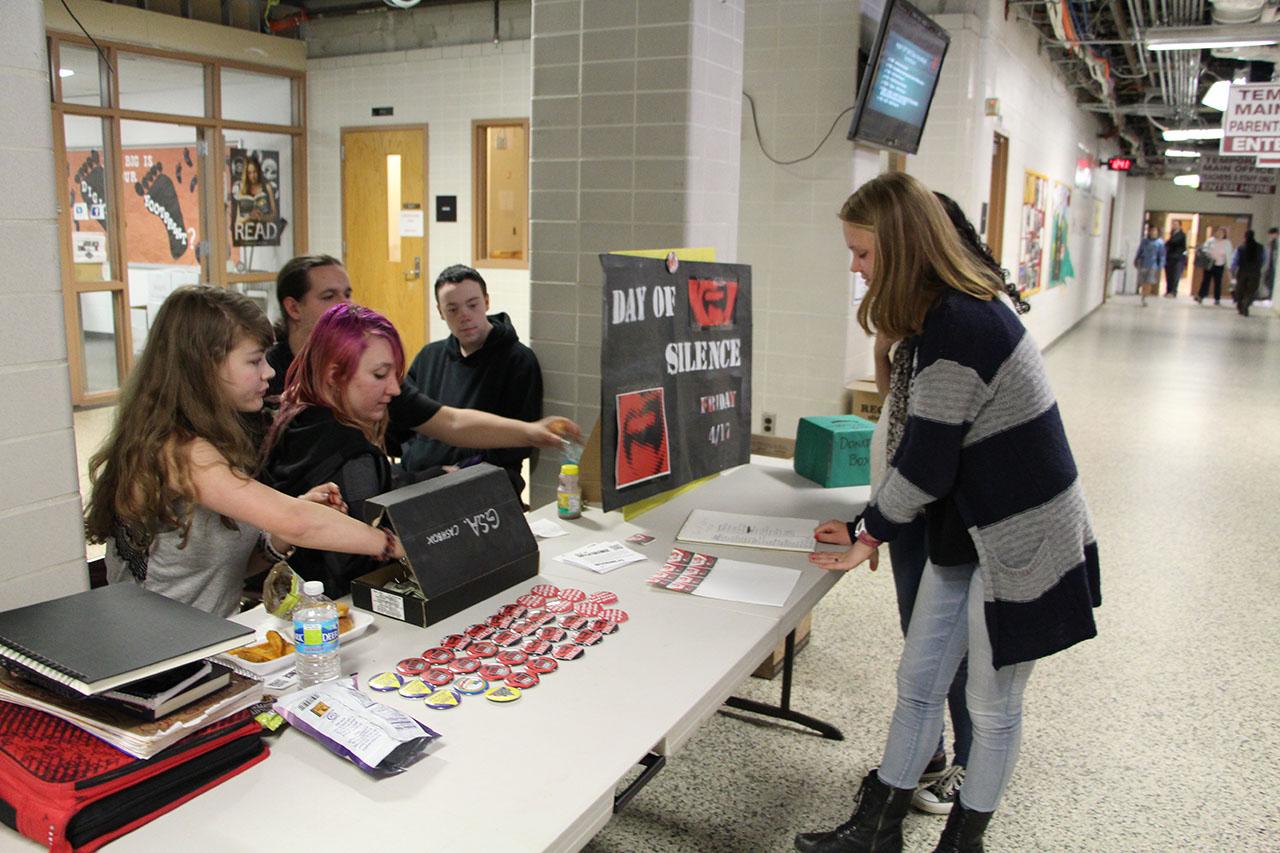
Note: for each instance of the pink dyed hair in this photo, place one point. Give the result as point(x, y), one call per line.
point(333, 352)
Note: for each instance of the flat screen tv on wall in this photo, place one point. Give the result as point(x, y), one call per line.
point(900, 79)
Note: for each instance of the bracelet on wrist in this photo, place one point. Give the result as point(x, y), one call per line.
point(389, 548)
point(270, 550)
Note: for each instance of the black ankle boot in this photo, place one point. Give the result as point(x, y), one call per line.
point(963, 833)
point(875, 827)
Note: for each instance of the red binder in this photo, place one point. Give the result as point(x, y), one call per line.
point(64, 788)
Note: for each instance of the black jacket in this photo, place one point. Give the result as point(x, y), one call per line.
point(314, 449)
point(1175, 245)
point(502, 377)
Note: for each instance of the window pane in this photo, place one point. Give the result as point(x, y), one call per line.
point(506, 193)
point(259, 182)
point(161, 85)
point(98, 341)
point(164, 236)
point(88, 189)
point(263, 98)
point(79, 72)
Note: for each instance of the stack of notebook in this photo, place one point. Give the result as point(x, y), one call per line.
point(117, 679)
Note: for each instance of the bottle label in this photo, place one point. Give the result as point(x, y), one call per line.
point(316, 637)
point(569, 504)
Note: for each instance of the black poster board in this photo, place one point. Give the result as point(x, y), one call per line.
point(675, 374)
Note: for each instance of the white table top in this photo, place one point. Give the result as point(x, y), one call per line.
point(539, 772)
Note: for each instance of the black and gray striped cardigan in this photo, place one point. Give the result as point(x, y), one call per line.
point(983, 426)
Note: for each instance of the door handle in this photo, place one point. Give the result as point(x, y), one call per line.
point(415, 273)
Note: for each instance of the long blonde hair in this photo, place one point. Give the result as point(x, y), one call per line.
point(140, 477)
point(917, 255)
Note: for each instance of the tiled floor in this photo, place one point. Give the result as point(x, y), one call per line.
point(1163, 733)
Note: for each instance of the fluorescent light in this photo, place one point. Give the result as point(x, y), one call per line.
point(1192, 133)
point(1180, 152)
point(1192, 181)
point(1216, 97)
point(1212, 37)
point(66, 72)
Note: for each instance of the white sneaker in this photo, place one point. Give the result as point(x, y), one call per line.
point(940, 795)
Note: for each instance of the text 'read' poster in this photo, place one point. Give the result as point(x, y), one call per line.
point(675, 374)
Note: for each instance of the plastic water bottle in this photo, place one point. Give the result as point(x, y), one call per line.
point(315, 637)
point(569, 492)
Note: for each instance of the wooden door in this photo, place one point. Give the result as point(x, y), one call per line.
point(384, 225)
point(999, 184)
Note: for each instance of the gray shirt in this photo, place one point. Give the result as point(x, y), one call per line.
point(207, 574)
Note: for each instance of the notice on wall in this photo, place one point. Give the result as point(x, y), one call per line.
point(1235, 175)
point(675, 374)
point(412, 222)
point(1251, 122)
point(254, 197)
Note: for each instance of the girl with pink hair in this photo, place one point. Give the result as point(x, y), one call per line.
point(331, 426)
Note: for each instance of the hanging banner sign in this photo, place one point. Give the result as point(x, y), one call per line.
point(1251, 122)
point(675, 374)
point(1235, 175)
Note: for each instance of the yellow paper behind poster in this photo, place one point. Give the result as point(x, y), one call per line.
point(705, 254)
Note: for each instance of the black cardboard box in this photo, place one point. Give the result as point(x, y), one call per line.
point(466, 539)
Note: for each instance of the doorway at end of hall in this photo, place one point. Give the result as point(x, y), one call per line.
point(1198, 227)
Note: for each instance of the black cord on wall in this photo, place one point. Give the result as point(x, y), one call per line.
point(756, 124)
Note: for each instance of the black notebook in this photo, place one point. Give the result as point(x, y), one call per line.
point(115, 634)
point(165, 692)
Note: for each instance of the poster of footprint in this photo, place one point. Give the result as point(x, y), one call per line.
point(161, 201)
point(675, 374)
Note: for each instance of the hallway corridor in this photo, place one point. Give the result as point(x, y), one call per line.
point(1163, 733)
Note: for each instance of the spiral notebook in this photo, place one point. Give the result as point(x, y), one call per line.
point(116, 634)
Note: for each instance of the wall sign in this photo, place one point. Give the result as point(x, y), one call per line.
point(675, 374)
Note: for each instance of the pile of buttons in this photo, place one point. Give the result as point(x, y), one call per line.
point(508, 653)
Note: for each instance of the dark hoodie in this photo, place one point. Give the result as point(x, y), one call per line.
point(502, 377)
point(314, 449)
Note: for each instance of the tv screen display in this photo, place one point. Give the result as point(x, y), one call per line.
point(898, 85)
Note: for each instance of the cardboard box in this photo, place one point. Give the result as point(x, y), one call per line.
point(834, 450)
point(866, 400)
point(466, 539)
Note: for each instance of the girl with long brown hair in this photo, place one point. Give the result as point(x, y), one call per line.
point(982, 432)
point(172, 497)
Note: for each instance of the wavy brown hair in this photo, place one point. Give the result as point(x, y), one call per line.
point(141, 478)
point(918, 255)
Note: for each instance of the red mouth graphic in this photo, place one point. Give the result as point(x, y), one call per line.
point(712, 300)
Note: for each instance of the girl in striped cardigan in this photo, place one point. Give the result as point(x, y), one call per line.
point(983, 431)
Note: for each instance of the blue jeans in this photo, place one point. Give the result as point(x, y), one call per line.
point(948, 620)
point(909, 552)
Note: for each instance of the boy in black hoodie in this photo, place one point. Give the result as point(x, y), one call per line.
point(481, 365)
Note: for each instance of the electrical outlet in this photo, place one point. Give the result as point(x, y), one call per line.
point(767, 421)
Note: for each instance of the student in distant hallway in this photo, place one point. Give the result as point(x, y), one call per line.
point(331, 423)
point(983, 427)
point(1268, 287)
point(481, 365)
point(309, 285)
point(1219, 249)
point(1149, 260)
point(1246, 269)
point(172, 495)
point(1175, 260)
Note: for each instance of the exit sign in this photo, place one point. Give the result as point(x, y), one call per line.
point(1120, 164)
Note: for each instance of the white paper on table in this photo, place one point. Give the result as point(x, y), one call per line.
point(601, 557)
point(752, 583)
point(545, 528)
point(749, 531)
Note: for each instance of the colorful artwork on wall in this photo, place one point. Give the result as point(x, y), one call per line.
point(1060, 268)
point(1035, 203)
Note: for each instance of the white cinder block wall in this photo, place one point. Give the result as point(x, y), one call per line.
point(445, 88)
point(990, 57)
point(40, 522)
point(800, 68)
